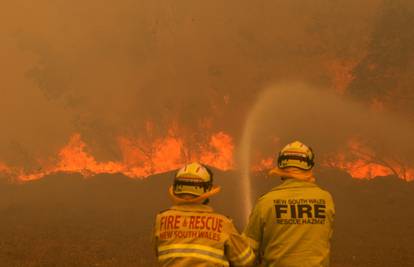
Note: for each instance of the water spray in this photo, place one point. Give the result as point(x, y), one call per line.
point(245, 149)
point(250, 127)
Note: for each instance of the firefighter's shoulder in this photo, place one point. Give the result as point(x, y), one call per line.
point(222, 216)
point(328, 196)
point(260, 204)
point(266, 200)
point(164, 211)
point(324, 192)
point(270, 194)
point(227, 222)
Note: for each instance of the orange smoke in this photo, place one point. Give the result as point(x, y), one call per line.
point(341, 73)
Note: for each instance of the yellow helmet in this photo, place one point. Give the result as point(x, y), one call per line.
point(296, 154)
point(194, 179)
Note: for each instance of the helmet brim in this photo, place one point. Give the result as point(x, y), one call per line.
point(176, 199)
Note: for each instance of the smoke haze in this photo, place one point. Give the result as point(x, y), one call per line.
point(326, 122)
point(103, 68)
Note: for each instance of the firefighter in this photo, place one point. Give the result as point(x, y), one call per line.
point(291, 226)
point(190, 233)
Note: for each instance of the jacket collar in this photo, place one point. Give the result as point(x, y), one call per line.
point(293, 183)
point(192, 207)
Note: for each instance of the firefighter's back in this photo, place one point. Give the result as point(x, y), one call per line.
point(194, 235)
point(299, 217)
point(191, 233)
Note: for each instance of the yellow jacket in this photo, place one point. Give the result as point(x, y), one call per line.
point(291, 226)
point(194, 235)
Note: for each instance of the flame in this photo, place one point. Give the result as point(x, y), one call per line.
point(143, 159)
point(263, 165)
point(219, 152)
point(359, 168)
point(169, 153)
point(5, 169)
point(362, 162)
point(140, 158)
point(356, 158)
point(73, 158)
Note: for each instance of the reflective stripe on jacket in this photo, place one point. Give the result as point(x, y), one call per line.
point(291, 226)
point(194, 235)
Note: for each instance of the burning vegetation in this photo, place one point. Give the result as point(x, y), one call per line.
point(362, 162)
point(139, 158)
point(140, 88)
